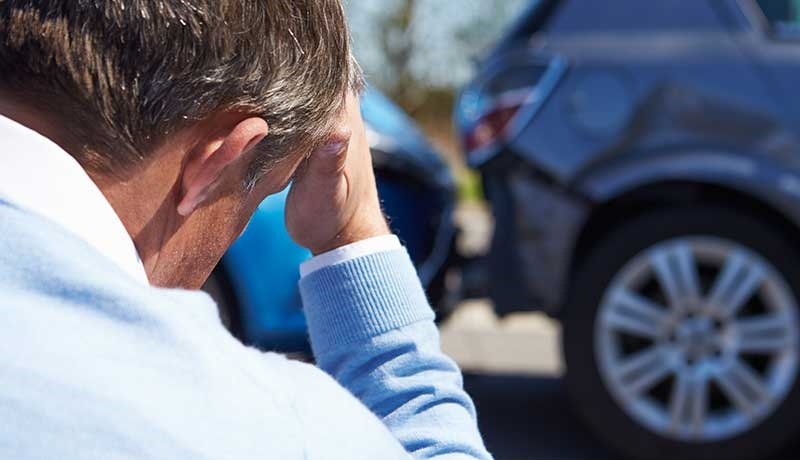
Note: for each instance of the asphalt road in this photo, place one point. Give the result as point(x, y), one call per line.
point(513, 370)
point(528, 417)
point(524, 417)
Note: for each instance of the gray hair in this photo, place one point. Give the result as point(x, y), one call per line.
point(121, 75)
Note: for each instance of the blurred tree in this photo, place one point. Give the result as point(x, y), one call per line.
point(420, 51)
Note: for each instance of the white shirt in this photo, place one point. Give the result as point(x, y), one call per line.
point(38, 175)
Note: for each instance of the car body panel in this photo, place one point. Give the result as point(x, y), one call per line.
point(390, 129)
point(654, 92)
point(634, 78)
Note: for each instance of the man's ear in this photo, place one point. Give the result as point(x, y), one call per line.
point(204, 167)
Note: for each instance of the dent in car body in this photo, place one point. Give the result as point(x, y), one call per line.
point(683, 95)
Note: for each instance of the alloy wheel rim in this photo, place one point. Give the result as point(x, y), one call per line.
point(697, 339)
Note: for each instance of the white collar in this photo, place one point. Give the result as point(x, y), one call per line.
point(37, 175)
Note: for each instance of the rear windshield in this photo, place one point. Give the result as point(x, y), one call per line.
point(783, 15)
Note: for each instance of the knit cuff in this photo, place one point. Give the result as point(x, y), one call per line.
point(362, 298)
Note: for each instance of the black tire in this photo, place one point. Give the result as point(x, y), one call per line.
point(219, 287)
point(442, 297)
point(588, 392)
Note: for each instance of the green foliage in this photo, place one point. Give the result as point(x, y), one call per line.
point(470, 186)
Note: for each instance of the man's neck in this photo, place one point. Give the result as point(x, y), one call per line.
point(144, 200)
point(145, 203)
point(34, 120)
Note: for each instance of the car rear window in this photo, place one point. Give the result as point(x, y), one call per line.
point(783, 15)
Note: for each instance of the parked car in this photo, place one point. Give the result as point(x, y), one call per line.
point(255, 284)
point(642, 161)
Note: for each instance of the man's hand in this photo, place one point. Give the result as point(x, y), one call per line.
point(334, 200)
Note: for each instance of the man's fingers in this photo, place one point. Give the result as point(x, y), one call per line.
point(328, 161)
point(334, 201)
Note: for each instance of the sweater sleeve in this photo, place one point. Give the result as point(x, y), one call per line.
point(372, 329)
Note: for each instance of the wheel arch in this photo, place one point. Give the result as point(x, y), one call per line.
point(760, 188)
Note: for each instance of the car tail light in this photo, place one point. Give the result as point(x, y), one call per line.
point(491, 126)
point(502, 101)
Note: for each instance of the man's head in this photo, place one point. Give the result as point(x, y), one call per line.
point(186, 113)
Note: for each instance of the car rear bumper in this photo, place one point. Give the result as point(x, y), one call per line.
point(537, 225)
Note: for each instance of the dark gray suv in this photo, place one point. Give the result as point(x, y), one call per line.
point(642, 159)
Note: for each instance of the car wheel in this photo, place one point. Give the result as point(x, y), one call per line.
point(219, 287)
point(442, 295)
point(681, 336)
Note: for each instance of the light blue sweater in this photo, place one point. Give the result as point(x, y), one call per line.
point(95, 366)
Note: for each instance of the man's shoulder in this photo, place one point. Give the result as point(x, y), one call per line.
point(32, 246)
point(42, 264)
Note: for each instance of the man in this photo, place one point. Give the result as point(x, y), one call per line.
point(136, 139)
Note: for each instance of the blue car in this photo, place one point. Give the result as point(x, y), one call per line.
point(255, 284)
